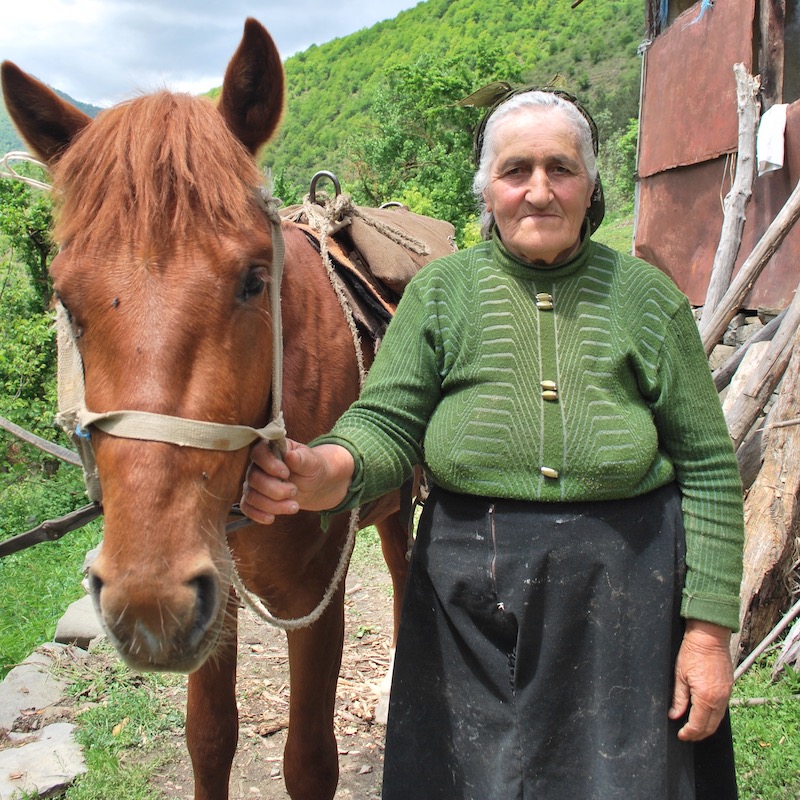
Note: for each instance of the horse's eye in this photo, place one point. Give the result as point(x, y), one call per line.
point(77, 330)
point(254, 283)
point(60, 300)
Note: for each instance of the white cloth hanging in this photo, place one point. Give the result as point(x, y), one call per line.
point(770, 139)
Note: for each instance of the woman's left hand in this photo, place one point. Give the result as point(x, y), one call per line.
point(703, 679)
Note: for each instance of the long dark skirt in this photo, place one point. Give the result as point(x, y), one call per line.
point(536, 653)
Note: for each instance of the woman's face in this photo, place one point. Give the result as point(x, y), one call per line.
point(539, 188)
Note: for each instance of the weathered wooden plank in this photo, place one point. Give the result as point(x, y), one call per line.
point(772, 516)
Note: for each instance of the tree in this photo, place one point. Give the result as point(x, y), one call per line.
point(26, 221)
point(28, 352)
point(418, 149)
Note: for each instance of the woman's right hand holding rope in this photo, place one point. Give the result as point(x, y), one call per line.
point(308, 479)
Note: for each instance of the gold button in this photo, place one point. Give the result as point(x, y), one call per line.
point(544, 301)
point(550, 395)
point(549, 472)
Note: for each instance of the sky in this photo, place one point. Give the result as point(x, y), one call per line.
point(106, 51)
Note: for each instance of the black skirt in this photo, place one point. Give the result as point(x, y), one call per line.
point(536, 653)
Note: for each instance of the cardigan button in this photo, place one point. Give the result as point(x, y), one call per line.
point(549, 472)
point(544, 301)
point(549, 390)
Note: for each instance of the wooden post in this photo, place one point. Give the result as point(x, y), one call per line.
point(744, 411)
point(730, 239)
point(750, 270)
point(772, 516)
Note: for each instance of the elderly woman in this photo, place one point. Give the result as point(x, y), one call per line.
point(575, 576)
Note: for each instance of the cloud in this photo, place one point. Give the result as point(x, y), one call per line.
point(103, 51)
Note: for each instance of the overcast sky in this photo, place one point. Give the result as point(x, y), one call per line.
point(104, 51)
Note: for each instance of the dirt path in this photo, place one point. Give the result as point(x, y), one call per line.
point(263, 693)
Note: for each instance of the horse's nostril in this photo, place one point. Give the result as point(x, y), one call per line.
point(95, 585)
point(206, 592)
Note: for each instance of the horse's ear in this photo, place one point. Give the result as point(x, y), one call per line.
point(46, 122)
point(252, 92)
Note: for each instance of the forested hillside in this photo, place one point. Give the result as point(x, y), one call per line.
point(343, 96)
point(378, 107)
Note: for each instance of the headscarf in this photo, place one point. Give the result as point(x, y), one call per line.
point(495, 94)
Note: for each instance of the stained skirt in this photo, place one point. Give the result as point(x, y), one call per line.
point(536, 653)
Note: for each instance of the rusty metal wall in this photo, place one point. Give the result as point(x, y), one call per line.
point(688, 112)
point(688, 126)
point(680, 218)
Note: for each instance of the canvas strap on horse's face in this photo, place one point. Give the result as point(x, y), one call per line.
point(77, 420)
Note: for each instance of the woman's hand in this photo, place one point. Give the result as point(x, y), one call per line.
point(309, 478)
point(703, 679)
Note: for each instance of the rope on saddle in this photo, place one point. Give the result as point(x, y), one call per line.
point(328, 219)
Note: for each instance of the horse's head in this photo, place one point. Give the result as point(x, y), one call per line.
point(164, 272)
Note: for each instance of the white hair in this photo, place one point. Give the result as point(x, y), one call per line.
point(545, 101)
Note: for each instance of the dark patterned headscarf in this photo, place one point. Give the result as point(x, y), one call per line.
point(495, 94)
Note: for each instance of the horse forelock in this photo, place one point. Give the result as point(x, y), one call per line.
point(152, 170)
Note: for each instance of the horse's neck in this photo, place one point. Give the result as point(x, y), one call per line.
point(321, 371)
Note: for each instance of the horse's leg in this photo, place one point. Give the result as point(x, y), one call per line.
point(395, 544)
point(212, 721)
point(311, 757)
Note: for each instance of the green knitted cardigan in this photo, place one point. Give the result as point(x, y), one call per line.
point(583, 381)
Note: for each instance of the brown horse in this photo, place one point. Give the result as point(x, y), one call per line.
point(164, 271)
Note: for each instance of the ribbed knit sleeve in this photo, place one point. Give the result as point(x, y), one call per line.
point(693, 433)
point(385, 427)
point(581, 382)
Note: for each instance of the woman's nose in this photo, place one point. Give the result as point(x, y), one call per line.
point(539, 190)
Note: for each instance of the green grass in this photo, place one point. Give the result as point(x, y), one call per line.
point(126, 730)
point(616, 233)
point(40, 582)
point(767, 737)
point(367, 548)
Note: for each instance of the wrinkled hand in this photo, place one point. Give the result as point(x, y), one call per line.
point(703, 679)
point(309, 478)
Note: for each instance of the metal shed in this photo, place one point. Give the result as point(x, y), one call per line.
point(689, 136)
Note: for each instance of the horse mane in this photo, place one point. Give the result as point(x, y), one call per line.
point(150, 169)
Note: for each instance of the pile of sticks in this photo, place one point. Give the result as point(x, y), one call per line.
point(761, 383)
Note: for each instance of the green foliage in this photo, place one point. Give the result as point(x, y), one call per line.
point(376, 107)
point(766, 736)
point(40, 582)
point(27, 368)
point(25, 222)
point(418, 147)
point(126, 732)
point(27, 357)
point(617, 165)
